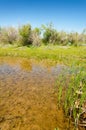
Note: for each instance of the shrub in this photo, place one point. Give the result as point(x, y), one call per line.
point(49, 34)
point(25, 35)
point(36, 40)
point(8, 35)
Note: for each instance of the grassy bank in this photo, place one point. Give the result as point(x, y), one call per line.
point(59, 54)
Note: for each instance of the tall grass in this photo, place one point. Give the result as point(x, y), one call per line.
point(72, 93)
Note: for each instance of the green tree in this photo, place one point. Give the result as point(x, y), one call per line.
point(25, 35)
point(49, 34)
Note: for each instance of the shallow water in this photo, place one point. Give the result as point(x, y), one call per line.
point(28, 100)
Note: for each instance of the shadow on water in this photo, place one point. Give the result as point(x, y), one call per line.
point(28, 100)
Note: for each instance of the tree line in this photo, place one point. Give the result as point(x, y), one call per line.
point(26, 36)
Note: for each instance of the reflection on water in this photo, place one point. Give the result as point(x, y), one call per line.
point(28, 100)
point(26, 65)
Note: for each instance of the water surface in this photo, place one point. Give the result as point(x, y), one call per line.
point(28, 100)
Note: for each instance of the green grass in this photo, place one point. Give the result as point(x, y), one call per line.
point(72, 92)
point(64, 55)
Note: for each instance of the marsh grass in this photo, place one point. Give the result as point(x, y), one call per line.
point(72, 93)
point(62, 55)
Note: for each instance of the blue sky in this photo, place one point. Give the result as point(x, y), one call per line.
point(67, 15)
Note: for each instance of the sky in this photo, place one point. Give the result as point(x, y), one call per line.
point(67, 15)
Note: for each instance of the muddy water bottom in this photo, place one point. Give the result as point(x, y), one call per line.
point(28, 100)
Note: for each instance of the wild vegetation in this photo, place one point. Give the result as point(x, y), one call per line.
point(25, 35)
point(72, 94)
point(71, 83)
point(68, 49)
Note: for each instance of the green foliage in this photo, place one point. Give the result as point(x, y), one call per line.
point(25, 35)
point(73, 92)
point(60, 54)
point(47, 34)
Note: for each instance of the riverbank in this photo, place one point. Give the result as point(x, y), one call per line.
point(60, 54)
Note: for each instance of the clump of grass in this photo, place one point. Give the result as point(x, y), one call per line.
point(72, 94)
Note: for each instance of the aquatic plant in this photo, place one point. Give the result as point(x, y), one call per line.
point(72, 94)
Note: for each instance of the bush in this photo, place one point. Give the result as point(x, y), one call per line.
point(36, 40)
point(8, 35)
point(25, 35)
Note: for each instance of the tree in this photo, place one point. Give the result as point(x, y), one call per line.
point(25, 35)
point(36, 40)
point(49, 34)
point(74, 38)
point(8, 35)
point(84, 36)
point(63, 38)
